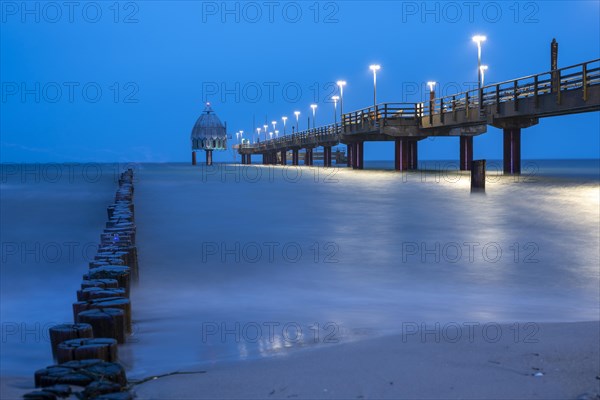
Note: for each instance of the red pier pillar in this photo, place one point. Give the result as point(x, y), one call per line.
point(327, 156)
point(308, 157)
point(283, 157)
point(401, 154)
point(349, 154)
point(208, 157)
point(359, 155)
point(406, 154)
point(295, 157)
point(413, 154)
point(512, 151)
point(193, 158)
point(466, 153)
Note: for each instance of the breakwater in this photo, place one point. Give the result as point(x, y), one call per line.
point(86, 351)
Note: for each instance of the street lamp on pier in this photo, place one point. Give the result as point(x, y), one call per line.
point(297, 114)
point(274, 123)
point(314, 110)
point(335, 100)
point(341, 85)
point(374, 68)
point(479, 39)
point(482, 70)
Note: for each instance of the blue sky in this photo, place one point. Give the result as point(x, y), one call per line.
point(99, 82)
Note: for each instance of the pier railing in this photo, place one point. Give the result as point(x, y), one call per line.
point(579, 76)
point(321, 134)
point(385, 111)
point(499, 97)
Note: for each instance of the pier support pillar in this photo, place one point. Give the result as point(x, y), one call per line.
point(512, 151)
point(413, 159)
point(327, 156)
point(283, 157)
point(466, 153)
point(350, 154)
point(358, 155)
point(193, 158)
point(208, 157)
point(401, 154)
point(308, 157)
point(295, 157)
point(248, 159)
point(406, 154)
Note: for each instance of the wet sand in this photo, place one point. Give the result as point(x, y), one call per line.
point(413, 366)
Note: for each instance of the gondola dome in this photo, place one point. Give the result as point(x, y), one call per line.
point(209, 133)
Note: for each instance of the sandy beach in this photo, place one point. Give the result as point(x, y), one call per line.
point(411, 367)
point(478, 365)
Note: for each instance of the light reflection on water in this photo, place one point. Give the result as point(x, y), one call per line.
point(374, 286)
point(371, 216)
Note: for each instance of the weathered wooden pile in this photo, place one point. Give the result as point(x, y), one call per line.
point(86, 351)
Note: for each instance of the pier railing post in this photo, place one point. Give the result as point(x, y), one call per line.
point(497, 98)
point(536, 91)
point(584, 81)
point(516, 95)
point(558, 87)
point(454, 108)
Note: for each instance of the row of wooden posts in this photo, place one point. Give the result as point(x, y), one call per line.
point(85, 351)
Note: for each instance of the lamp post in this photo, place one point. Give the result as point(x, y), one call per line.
point(274, 123)
point(479, 39)
point(297, 114)
point(341, 85)
point(314, 109)
point(374, 68)
point(482, 70)
point(265, 126)
point(276, 133)
point(335, 100)
point(258, 134)
point(284, 119)
point(431, 85)
point(241, 134)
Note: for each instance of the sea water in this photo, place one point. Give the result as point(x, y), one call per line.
point(241, 262)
